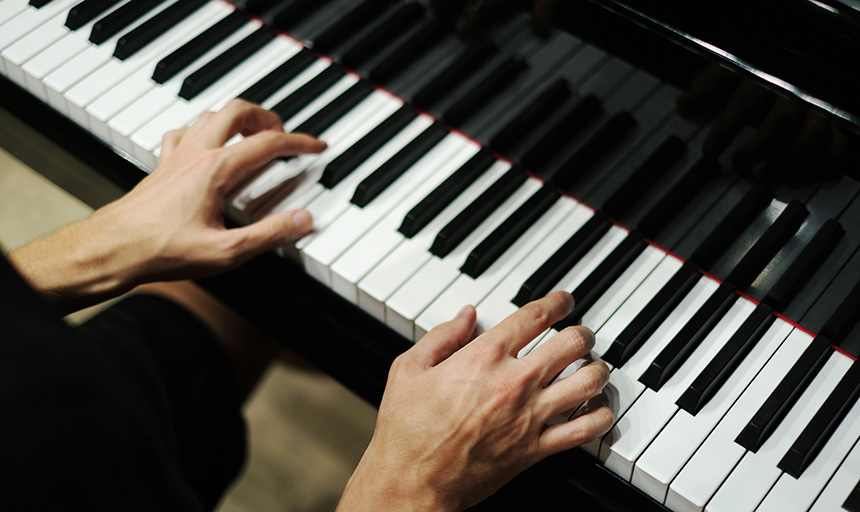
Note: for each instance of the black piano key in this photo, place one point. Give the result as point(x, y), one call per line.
point(844, 318)
point(270, 83)
point(327, 115)
point(652, 315)
point(86, 11)
point(197, 82)
point(340, 167)
point(821, 427)
point(561, 133)
point(131, 42)
point(852, 503)
point(407, 52)
point(486, 89)
point(467, 220)
point(601, 278)
point(392, 26)
point(533, 114)
point(780, 401)
point(350, 23)
point(169, 66)
point(678, 196)
point(429, 207)
point(119, 19)
point(294, 12)
point(507, 233)
point(595, 149)
point(807, 262)
point(651, 170)
point(564, 259)
point(298, 99)
point(441, 84)
point(38, 4)
point(676, 353)
point(381, 178)
point(709, 381)
point(766, 247)
point(731, 225)
point(259, 7)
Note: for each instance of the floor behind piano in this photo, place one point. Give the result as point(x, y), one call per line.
point(306, 431)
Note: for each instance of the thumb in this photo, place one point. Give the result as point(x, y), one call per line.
point(275, 231)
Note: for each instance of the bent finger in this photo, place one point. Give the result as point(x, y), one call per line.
point(213, 130)
point(581, 429)
point(445, 339)
point(169, 142)
point(523, 326)
point(557, 353)
point(251, 154)
point(584, 384)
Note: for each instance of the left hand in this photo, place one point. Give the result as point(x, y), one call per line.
point(170, 225)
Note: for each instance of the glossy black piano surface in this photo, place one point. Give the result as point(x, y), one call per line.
point(778, 227)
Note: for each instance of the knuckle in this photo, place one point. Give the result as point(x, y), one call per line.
point(577, 339)
point(536, 313)
point(590, 380)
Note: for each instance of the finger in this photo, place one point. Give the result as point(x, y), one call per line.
point(564, 348)
point(248, 156)
point(780, 124)
point(445, 339)
point(749, 102)
point(268, 234)
point(237, 117)
point(169, 142)
point(586, 383)
point(579, 430)
point(520, 328)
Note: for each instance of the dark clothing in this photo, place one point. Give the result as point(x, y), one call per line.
point(135, 410)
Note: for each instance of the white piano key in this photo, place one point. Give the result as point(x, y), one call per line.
point(115, 71)
point(666, 456)
point(790, 494)
point(468, 290)
point(644, 420)
point(841, 484)
point(136, 85)
point(247, 201)
point(55, 55)
point(438, 273)
point(375, 289)
point(18, 53)
point(497, 306)
point(619, 292)
point(445, 306)
point(155, 100)
point(84, 63)
point(609, 330)
point(11, 8)
point(624, 380)
point(30, 19)
point(713, 461)
point(367, 252)
point(756, 473)
point(321, 249)
point(182, 112)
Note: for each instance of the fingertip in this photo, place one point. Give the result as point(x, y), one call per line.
point(303, 223)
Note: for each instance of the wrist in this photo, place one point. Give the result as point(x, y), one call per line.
point(79, 265)
point(377, 484)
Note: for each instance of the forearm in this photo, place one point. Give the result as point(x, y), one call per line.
point(79, 265)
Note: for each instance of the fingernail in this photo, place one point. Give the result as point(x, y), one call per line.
point(303, 222)
point(465, 311)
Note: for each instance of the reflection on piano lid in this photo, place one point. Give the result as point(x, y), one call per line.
point(689, 176)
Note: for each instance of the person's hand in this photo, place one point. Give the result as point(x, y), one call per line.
point(460, 418)
point(170, 225)
point(793, 140)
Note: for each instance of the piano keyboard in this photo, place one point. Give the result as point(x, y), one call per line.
point(722, 400)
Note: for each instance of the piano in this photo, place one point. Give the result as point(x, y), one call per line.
point(689, 172)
